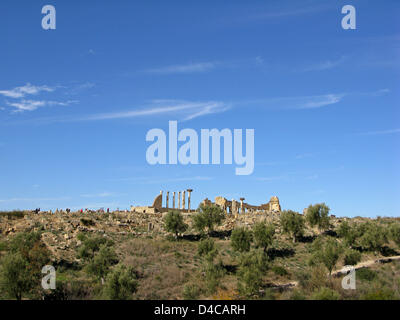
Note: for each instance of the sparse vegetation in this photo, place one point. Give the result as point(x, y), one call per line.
point(15, 214)
point(20, 268)
point(118, 258)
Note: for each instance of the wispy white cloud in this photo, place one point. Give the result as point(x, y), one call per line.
point(28, 89)
point(30, 105)
point(382, 132)
point(324, 65)
point(184, 68)
point(303, 102)
point(186, 110)
point(78, 88)
point(377, 93)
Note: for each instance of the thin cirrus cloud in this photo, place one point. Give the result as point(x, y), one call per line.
point(28, 89)
point(30, 105)
point(184, 68)
point(303, 102)
point(324, 65)
point(186, 110)
point(381, 132)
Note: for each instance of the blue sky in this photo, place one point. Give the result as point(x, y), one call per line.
point(76, 102)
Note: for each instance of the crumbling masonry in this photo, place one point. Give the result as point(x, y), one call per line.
point(233, 207)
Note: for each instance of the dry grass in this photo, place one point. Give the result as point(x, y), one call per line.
point(164, 267)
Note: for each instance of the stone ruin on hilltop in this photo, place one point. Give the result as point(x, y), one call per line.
point(233, 207)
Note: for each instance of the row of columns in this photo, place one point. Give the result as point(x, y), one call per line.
point(235, 207)
point(189, 191)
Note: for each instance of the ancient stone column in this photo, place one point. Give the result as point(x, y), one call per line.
point(179, 200)
point(167, 199)
point(183, 199)
point(173, 200)
point(234, 207)
point(241, 205)
point(189, 192)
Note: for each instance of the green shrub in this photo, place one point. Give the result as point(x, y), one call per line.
point(378, 294)
point(22, 265)
point(191, 292)
point(373, 236)
point(102, 261)
point(121, 283)
point(297, 295)
point(325, 294)
point(263, 235)
point(394, 233)
point(252, 267)
point(15, 276)
point(16, 214)
point(3, 246)
point(352, 257)
point(241, 239)
point(366, 274)
point(87, 222)
point(90, 245)
point(279, 270)
point(348, 233)
point(206, 248)
point(312, 278)
point(213, 273)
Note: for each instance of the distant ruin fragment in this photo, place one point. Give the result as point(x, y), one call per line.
point(158, 207)
point(233, 207)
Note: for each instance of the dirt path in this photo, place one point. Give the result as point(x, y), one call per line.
point(342, 271)
point(365, 264)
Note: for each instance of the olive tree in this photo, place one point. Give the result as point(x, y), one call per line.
point(292, 223)
point(208, 217)
point(327, 253)
point(318, 215)
point(173, 222)
point(263, 235)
